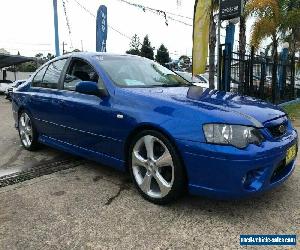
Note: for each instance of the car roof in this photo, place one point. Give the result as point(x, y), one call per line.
point(91, 54)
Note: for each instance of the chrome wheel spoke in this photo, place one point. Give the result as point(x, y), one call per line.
point(164, 186)
point(27, 139)
point(22, 123)
point(164, 160)
point(149, 144)
point(138, 160)
point(146, 183)
point(27, 120)
point(22, 134)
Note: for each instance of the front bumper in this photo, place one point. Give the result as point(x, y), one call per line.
point(225, 172)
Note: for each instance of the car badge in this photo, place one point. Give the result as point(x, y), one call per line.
point(281, 128)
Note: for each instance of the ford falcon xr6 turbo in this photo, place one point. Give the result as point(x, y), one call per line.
point(135, 115)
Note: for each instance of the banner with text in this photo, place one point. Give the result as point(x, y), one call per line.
point(101, 29)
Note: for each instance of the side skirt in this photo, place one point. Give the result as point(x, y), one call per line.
point(83, 152)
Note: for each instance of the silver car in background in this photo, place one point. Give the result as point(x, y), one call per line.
point(197, 80)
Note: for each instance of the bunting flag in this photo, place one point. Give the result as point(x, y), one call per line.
point(201, 35)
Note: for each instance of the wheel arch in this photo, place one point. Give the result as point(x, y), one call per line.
point(20, 109)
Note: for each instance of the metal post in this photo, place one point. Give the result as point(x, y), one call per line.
point(57, 52)
point(220, 63)
point(247, 70)
point(15, 72)
point(293, 92)
point(251, 68)
point(262, 76)
point(218, 45)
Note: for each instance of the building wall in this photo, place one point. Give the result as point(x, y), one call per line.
point(19, 75)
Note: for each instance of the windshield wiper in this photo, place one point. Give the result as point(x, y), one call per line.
point(175, 85)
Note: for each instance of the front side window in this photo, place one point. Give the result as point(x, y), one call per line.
point(52, 75)
point(128, 71)
point(79, 71)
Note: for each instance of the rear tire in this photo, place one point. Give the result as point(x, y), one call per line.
point(27, 131)
point(156, 168)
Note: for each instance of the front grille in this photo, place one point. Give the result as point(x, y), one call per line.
point(278, 130)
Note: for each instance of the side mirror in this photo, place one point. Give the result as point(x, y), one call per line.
point(90, 88)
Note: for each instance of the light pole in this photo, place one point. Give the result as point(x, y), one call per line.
point(57, 52)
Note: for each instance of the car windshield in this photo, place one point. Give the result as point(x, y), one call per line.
point(127, 71)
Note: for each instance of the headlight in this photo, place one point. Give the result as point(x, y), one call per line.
point(236, 135)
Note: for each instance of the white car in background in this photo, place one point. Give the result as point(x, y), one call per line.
point(12, 87)
point(4, 85)
point(197, 80)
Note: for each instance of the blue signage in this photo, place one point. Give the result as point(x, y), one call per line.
point(101, 29)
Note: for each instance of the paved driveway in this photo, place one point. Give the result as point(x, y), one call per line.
point(90, 206)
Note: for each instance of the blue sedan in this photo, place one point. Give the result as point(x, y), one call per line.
point(135, 115)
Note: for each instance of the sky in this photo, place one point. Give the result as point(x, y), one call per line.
point(27, 26)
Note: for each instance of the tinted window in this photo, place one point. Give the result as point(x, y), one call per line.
point(38, 79)
point(79, 71)
point(52, 75)
point(128, 71)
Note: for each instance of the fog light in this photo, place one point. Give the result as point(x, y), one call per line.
point(251, 180)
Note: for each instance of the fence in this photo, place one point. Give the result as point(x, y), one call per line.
point(253, 75)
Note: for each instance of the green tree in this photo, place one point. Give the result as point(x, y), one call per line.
point(27, 67)
point(39, 55)
point(147, 50)
point(290, 23)
point(268, 20)
point(134, 46)
point(49, 57)
point(291, 30)
point(185, 63)
point(162, 55)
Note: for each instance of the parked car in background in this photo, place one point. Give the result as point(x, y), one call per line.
point(4, 85)
point(135, 115)
point(197, 80)
point(11, 88)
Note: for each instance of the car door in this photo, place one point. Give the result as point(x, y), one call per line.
point(88, 118)
point(45, 102)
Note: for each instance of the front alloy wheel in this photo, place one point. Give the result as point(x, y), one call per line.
point(156, 168)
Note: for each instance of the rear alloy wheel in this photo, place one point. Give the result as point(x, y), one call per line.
point(156, 168)
point(27, 131)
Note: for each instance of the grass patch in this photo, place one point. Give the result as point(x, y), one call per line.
point(293, 110)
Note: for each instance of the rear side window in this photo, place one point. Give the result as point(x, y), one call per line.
point(38, 79)
point(48, 77)
point(52, 75)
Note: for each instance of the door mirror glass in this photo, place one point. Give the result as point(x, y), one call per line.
point(89, 88)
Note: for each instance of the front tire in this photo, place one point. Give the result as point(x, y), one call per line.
point(156, 168)
point(27, 131)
